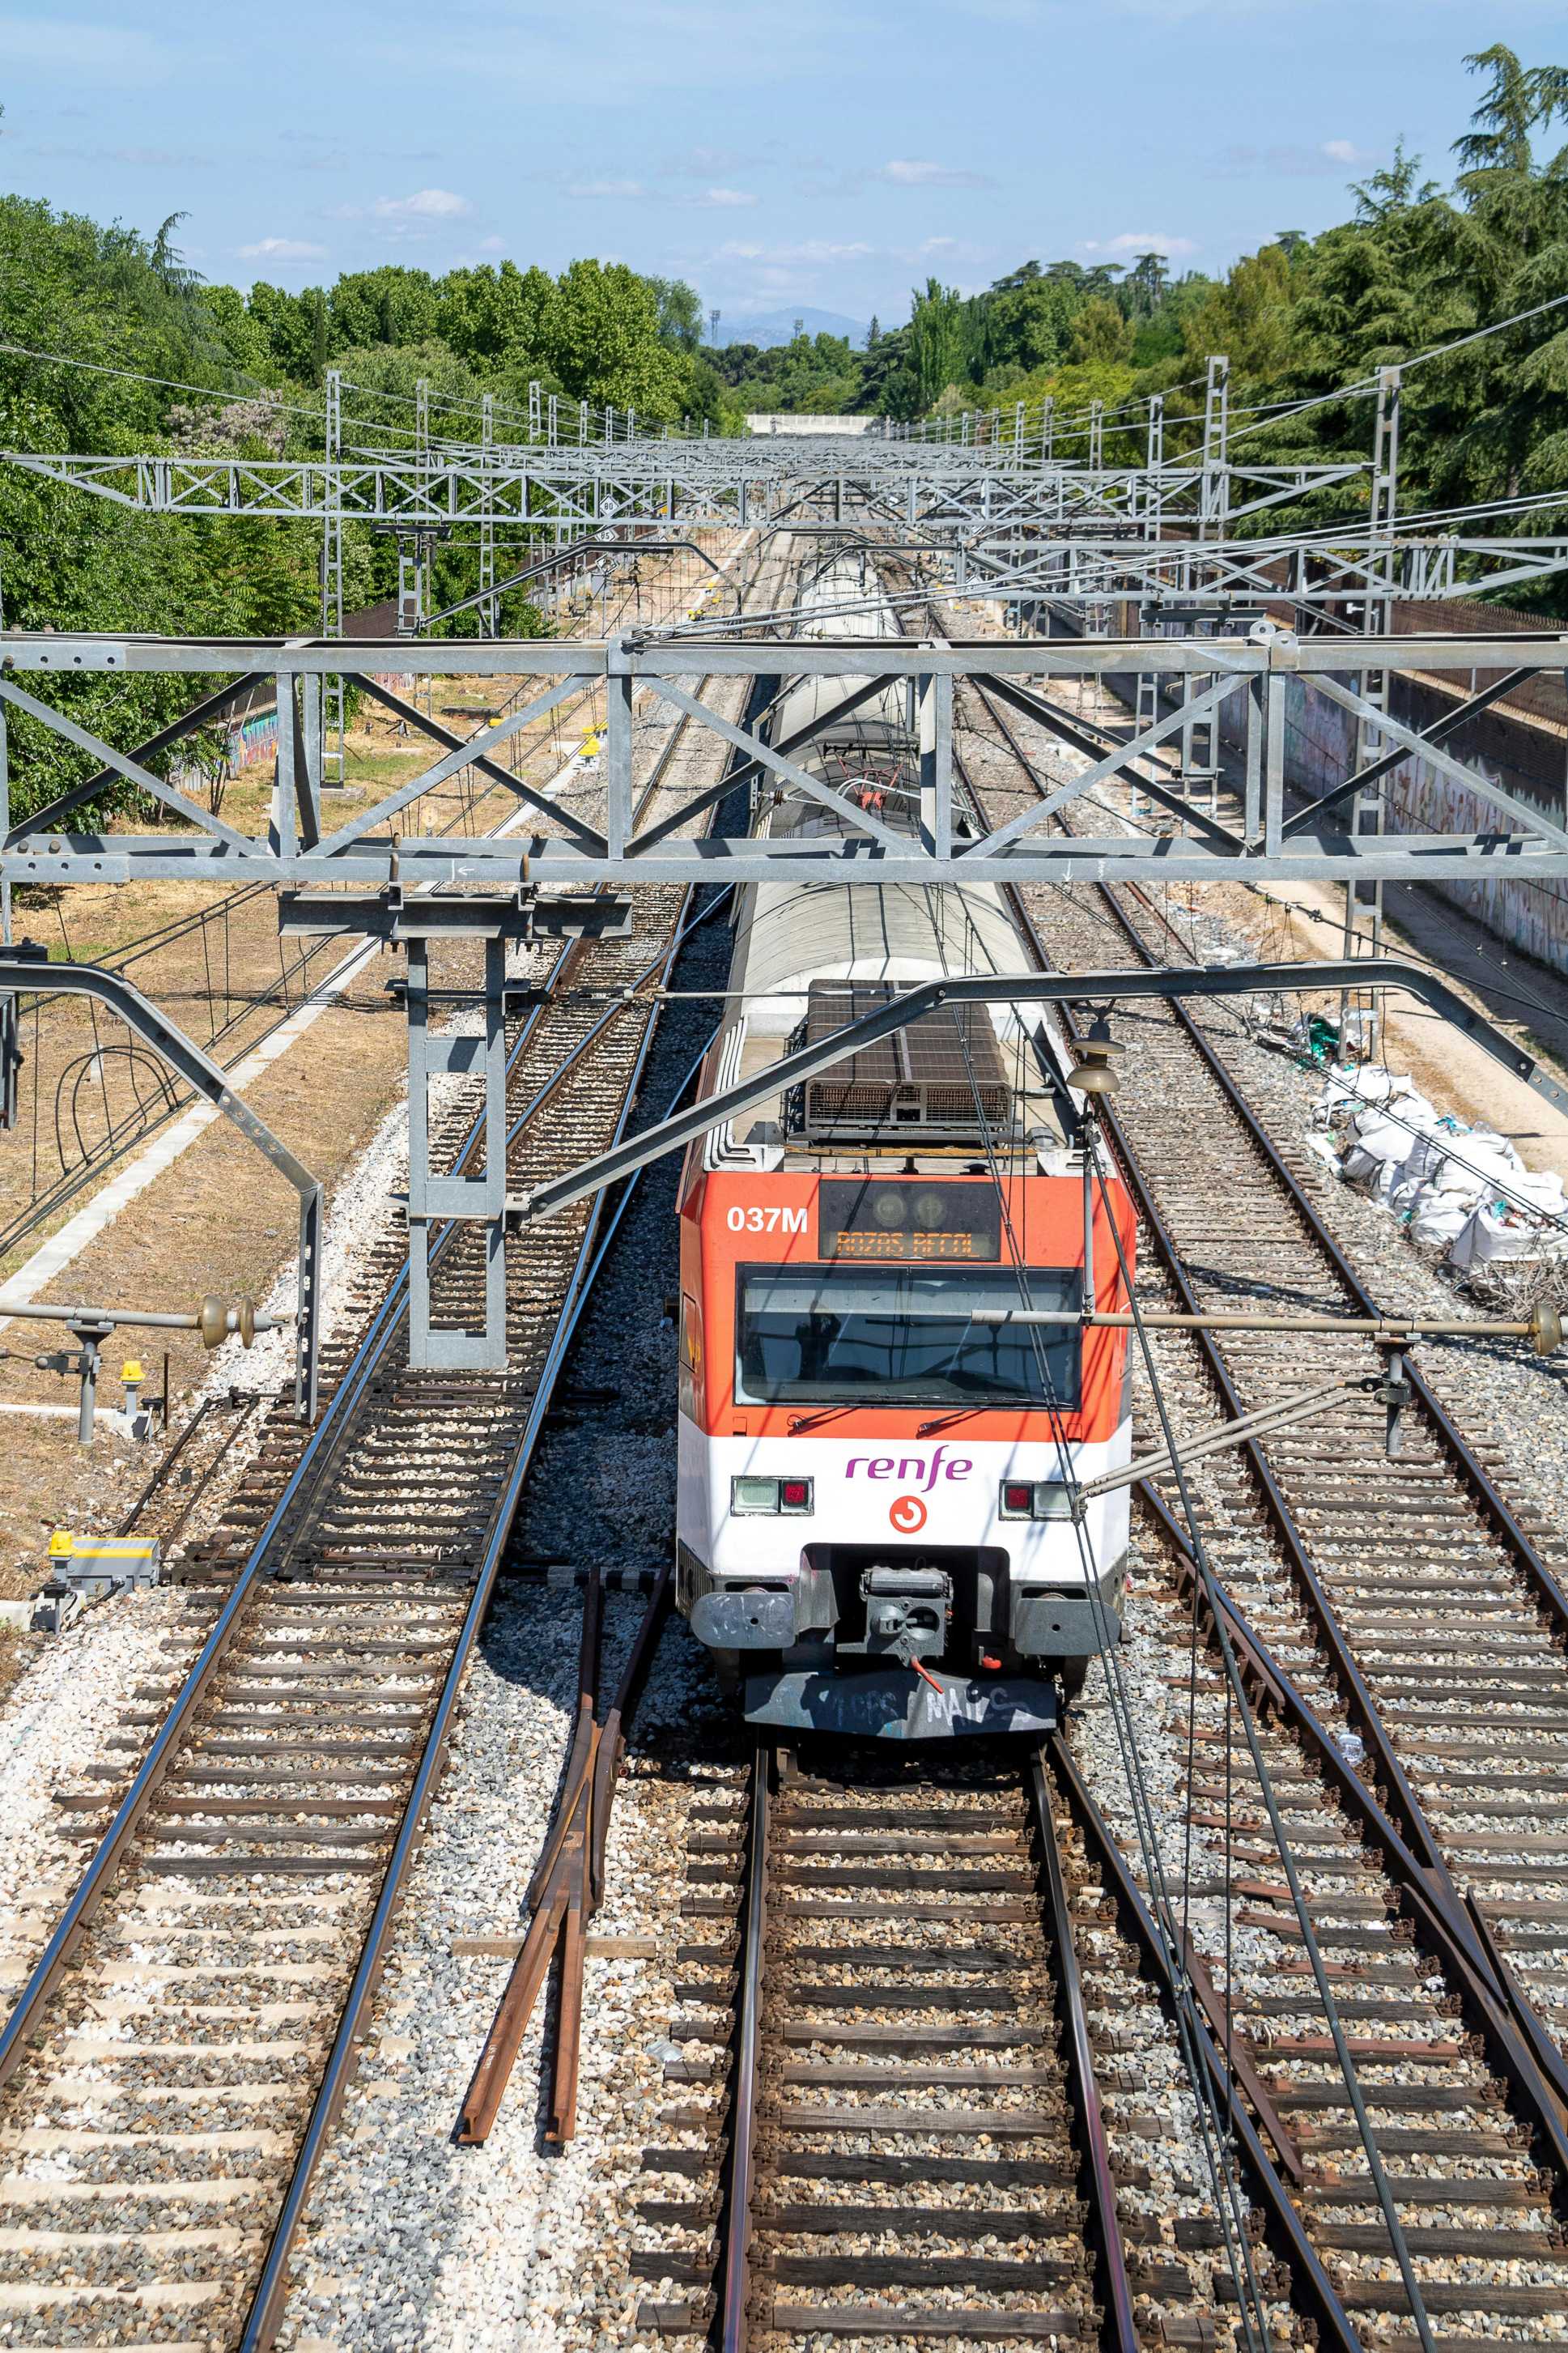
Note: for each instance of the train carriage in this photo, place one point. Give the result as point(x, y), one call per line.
point(879, 1446)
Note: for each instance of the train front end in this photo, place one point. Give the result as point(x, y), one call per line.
point(880, 1529)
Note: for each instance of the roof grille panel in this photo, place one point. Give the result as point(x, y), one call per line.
point(920, 1084)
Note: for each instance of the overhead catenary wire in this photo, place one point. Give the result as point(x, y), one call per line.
point(1095, 1172)
point(1214, 2135)
point(166, 384)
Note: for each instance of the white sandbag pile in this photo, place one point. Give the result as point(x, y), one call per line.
point(1461, 1191)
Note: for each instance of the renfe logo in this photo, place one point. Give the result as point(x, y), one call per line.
point(911, 1467)
point(908, 1514)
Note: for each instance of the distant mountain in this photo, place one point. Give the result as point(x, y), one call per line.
point(766, 328)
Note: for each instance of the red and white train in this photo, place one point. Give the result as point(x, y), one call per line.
point(879, 1527)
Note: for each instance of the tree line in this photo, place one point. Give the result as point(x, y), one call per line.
point(144, 355)
point(1414, 268)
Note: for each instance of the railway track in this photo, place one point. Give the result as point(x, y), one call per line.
point(174, 2065)
point(1405, 1603)
point(919, 2121)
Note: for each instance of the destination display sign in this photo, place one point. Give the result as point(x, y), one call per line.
point(873, 1218)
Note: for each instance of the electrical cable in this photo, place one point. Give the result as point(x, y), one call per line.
point(1202, 1572)
point(1093, 1163)
point(165, 383)
point(1218, 2155)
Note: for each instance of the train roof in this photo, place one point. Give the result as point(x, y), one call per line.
point(800, 942)
point(789, 934)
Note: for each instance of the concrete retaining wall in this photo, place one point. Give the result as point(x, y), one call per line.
point(1527, 761)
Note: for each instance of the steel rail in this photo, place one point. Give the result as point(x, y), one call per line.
point(1364, 1705)
point(1109, 2250)
point(1549, 1592)
point(578, 1755)
point(1520, 2045)
point(1336, 2330)
point(733, 2299)
point(1493, 1503)
point(1517, 2040)
point(566, 1886)
point(602, 1757)
point(242, 1405)
point(26, 2017)
point(267, 2305)
point(266, 2309)
point(320, 1449)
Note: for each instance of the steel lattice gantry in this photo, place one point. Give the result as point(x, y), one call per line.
point(1252, 677)
point(1063, 530)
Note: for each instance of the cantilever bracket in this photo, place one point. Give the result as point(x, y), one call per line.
point(1020, 989)
point(18, 974)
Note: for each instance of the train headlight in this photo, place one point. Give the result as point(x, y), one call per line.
point(1035, 1499)
point(887, 1209)
point(773, 1498)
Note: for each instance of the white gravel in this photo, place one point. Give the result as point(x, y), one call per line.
point(59, 1714)
point(424, 2243)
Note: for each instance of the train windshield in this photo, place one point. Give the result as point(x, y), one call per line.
point(905, 1336)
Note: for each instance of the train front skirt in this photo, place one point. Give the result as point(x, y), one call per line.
point(894, 1703)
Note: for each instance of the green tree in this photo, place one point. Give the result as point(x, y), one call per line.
point(1521, 99)
point(286, 322)
point(1144, 284)
point(389, 305)
point(679, 313)
point(1251, 317)
point(239, 332)
point(605, 344)
point(936, 338)
point(1101, 333)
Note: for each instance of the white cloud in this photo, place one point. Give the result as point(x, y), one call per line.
point(907, 173)
point(605, 189)
point(1142, 240)
point(699, 163)
point(813, 250)
point(492, 245)
point(426, 203)
point(281, 249)
point(726, 197)
point(949, 249)
point(78, 49)
point(1290, 161)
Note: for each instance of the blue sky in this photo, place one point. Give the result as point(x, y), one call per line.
point(828, 152)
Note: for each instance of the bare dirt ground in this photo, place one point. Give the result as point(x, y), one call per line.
point(219, 1219)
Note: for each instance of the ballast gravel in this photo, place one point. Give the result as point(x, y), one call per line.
point(416, 2241)
point(63, 1710)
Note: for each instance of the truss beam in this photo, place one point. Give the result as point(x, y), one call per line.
point(1254, 674)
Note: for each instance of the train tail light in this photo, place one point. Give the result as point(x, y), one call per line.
point(772, 1497)
point(1035, 1499)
